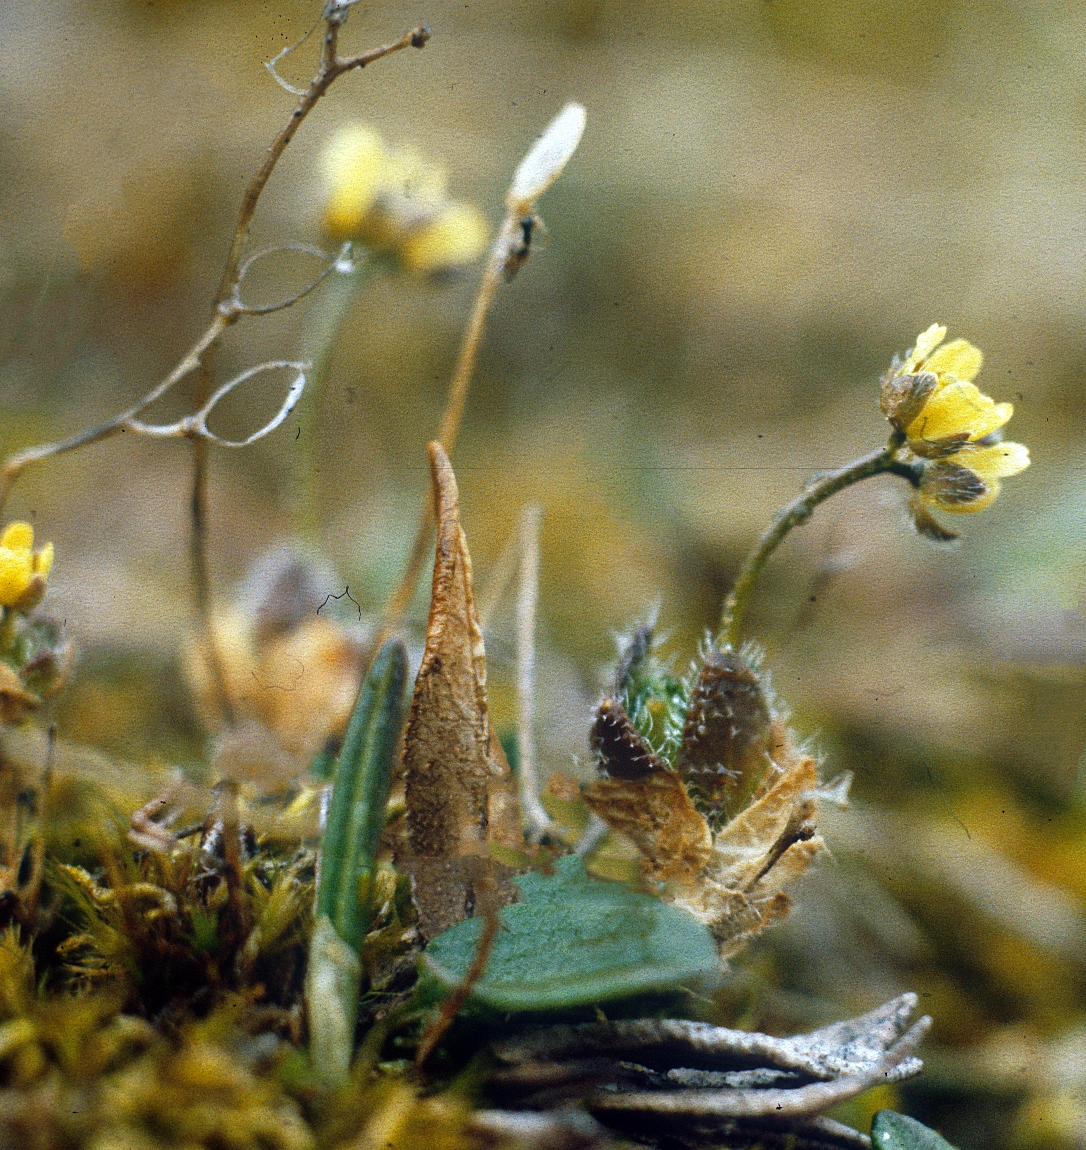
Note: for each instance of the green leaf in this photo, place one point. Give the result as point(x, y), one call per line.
point(890, 1131)
point(573, 941)
point(356, 815)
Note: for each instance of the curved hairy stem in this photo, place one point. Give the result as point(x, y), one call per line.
point(817, 491)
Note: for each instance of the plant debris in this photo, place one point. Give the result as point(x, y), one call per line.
point(458, 789)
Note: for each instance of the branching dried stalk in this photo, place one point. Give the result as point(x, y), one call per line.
point(228, 309)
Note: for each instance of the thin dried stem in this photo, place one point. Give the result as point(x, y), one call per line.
point(227, 311)
point(473, 336)
point(280, 305)
point(17, 463)
point(499, 577)
point(227, 308)
point(450, 1008)
point(331, 67)
point(538, 170)
point(195, 426)
point(449, 428)
point(527, 598)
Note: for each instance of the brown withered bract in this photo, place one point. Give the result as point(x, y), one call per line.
point(927, 525)
point(725, 737)
point(738, 775)
point(457, 786)
point(644, 799)
point(760, 852)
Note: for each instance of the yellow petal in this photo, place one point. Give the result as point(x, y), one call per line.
point(43, 560)
point(926, 343)
point(958, 359)
point(994, 462)
point(354, 163)
point(457, 236)
point(408, 175)
point(957, 408)
point(18, 536)
point(15, 574)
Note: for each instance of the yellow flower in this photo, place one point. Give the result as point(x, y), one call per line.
point(23, 571)
point(969, 480)
point(950, 424)
point(396, 202)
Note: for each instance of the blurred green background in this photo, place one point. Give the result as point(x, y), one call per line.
point(771, 198)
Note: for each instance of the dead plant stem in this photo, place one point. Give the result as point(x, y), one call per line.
point(451, 417)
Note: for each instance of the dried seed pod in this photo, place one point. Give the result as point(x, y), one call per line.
point(645, 800)
point(727, 735)
point(903, 397)
point(621, 750)
point(458, 790)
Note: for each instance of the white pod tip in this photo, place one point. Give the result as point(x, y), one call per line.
point(545, 160)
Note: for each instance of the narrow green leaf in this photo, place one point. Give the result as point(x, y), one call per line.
point(356, 815)
point(331, 1000)
point(323, 765)
point(890, 1131)
point(572, 941)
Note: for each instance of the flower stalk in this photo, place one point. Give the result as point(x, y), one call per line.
point(796, 513)
point(947, 442)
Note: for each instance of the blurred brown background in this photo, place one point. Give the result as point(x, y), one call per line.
point(772, 197)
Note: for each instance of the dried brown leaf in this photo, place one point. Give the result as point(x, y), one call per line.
point(647, 801)
point(457, 786)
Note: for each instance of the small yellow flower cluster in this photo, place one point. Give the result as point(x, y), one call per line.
point(395, 202)
point(950, 424)
point(23, 571)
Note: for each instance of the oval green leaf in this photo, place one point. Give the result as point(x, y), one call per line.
point(890, 1131)
point(572, 941)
